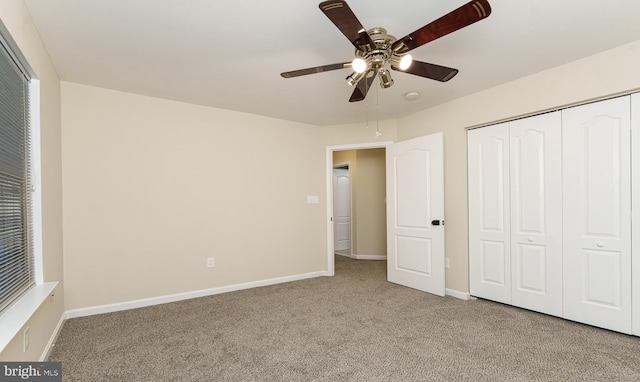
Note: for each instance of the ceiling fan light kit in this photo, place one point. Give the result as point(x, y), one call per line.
point(403, 63)
point(376, 51)
point(355, 77)
point(385, 78)
point(359, 65)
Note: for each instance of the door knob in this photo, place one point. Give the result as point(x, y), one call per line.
point(437, 222)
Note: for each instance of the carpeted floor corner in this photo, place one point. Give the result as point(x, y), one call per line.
point(354, 326)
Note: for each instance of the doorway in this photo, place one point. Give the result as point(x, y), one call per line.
point(413, 222)
point(359, 227)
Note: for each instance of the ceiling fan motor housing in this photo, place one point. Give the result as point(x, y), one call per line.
point(381, 53)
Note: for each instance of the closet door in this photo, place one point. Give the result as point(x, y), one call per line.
point(536, 213)
point(489, 232)
point(597, 208)
point(635, 186)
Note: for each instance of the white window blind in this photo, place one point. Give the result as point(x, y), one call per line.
point(16, 255)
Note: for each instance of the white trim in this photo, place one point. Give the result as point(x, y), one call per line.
point(457, 294)
point(18, 314)
point(369, 257)
point(344, 255)
point(54, 337)
point(100, 309)
point(635, 214)
point(329, 183)
point(362, 257)
point(36, 196)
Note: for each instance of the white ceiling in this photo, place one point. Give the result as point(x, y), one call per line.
point(229, 54)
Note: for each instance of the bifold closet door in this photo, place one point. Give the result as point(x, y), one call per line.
point(597, 214)
point(515, 213)
point(489, 220)
point(535, 148)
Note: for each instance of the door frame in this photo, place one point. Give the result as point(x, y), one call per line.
point(337, 166)
point(329, 185)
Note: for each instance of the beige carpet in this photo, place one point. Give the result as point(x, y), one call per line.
point(351, 327)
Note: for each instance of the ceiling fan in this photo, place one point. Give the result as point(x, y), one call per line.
point(376, 50)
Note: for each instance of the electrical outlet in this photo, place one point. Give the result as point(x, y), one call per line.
point(446, 262)
point(211, 262)
point(26, 340)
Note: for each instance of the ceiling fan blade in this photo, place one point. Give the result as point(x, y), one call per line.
point(431, 71)
point(317, 69)
point(467, 14)
point(343, 17)
point(363, 86)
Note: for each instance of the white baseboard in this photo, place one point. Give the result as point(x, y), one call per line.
point(100, 309)
point(362, 257)
point(369, 257)
point(457, 294)
point(54, 337)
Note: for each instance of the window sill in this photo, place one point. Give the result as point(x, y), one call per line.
point(13, 319)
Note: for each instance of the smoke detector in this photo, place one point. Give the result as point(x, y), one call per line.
point(411, 96)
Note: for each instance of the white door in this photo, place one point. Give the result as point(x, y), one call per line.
point(341, 210)
point(415, 214)
point(597, 221)
point(635, 186)
point(535, 148)
point(489, 217)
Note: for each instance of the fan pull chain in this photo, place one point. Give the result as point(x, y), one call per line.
point(378, 133)
point(366, 103)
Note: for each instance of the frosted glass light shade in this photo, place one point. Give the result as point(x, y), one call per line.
point(405, 62)
point(359, 65)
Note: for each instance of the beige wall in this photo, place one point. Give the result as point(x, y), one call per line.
point(368, 208)
point(608, 73)
point(16, 18)
point(154, 187)
point(371, 208)
point(358, 133)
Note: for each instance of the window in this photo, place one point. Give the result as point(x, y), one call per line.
point(16, 248)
